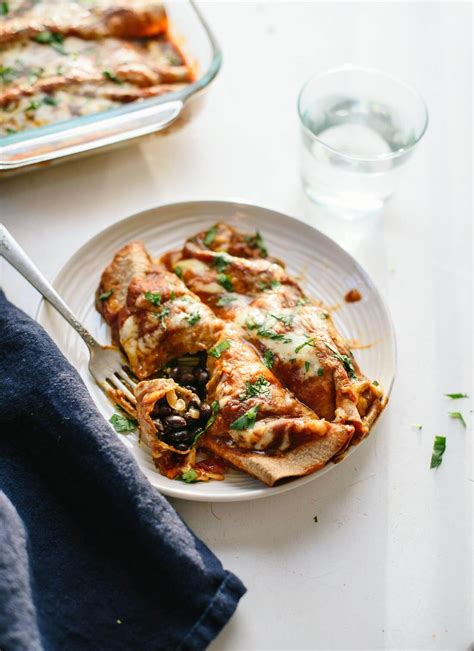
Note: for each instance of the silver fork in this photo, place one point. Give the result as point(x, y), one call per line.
point(107, 365)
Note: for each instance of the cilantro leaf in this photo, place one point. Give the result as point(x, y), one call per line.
point(153, 297)
point(122, 423)
point(178, 271)
point(220, 262)
point(309, 342)
point(210, 236)
point(286, 319)
point(189, 476)
point(54, 39)
point(268, 358)
point(458, 416)
point(161, 314)
point(111, 77)
point(259, 388)
point(210, 422)
point(320, 371)
point(194, 318)
point(345, 360)
point(439, 447)
point(247, 420)
point(4, 8)
point(6, 74)
point(306, 366)
point(219, 348)
point(226, 281)
point(456, 396)
point(270, 285)
point(225, 299)
point(106, 295)
point(256, 242)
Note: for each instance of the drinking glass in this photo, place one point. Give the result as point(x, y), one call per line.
point(359, 127)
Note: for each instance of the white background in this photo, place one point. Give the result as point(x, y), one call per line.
point(389, 562)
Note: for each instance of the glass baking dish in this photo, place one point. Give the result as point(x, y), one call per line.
point(87, 134)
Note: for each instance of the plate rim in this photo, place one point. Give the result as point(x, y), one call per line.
point(185, 492)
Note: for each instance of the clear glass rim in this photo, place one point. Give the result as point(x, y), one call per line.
point(375, 72)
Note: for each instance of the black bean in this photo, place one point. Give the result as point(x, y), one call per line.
point(194, 404)
point(187, 378)
point(173, 372)
point(182, 447)
point(189, 387)
point(174, 422)
point(162, 410)
point(189, 419)
point(205, 411)
point(183, 436)
point(202, 376)
point(159, 425)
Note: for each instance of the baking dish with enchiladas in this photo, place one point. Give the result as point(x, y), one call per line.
point(76, 75)
point(246, 366)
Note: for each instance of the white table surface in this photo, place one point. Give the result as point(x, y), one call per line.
point(389, 562)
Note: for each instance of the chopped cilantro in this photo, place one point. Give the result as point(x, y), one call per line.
point(320, 371)
point(11, 131)
point(153, 297)
point(178, 271)
point(161, 314)
point(33, 105)
point(226, 281)
point(111, 77)
point(259, 388)
point(256, 242)
point(225, 299)
point(50, 101)
point(267, 333)
point(219, 348)
point(189, 476)
point(172, 296)
point(323, 315)
point(375, 383)
point(210, 422)
point(270, 285)
point(439, 447)
point(309, 342)
point(4, 8)
point(220, 262)
point(51, 38)
point(306, 366)
point(345, 360)
point(301, 301)
point(210, 236)
point(122, 423)
point(194, 318)
point(246, 421)
point(458, 416)
point(268, 358)
point(286, 319)
point(456, 396)
point(6, 74)
point(106, 295)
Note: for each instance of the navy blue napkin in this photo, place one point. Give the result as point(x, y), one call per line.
point(91, 556)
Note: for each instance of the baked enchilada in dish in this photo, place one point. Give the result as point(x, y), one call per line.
point(237, 366)
point(61, 59)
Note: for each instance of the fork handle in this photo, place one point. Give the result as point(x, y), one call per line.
point(12, 251)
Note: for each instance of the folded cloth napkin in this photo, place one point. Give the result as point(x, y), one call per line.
point(91, 555)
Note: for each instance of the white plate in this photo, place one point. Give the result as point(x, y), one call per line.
point(328, 272)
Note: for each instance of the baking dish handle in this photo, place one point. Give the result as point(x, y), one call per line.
point(89, 137)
